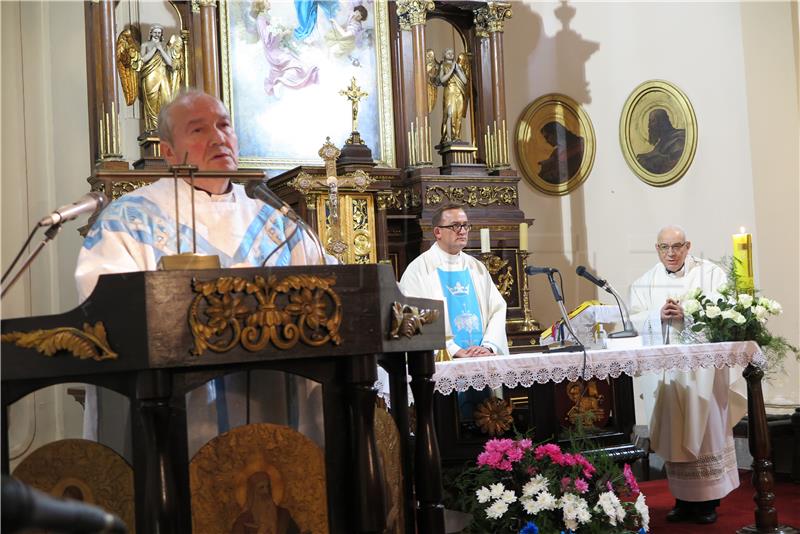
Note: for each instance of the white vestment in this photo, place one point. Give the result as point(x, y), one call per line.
point(421, 279)
point(695, 411)
point(136, 230)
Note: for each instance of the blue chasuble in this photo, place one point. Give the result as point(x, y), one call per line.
point(462, 307)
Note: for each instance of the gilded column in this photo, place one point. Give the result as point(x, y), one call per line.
point(412, 15)
point(210, 46)
point(489, 22)
point(108, 143)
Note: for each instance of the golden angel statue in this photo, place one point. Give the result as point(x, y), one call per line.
point(151, 67)
point(454, 78)
point(432, 68)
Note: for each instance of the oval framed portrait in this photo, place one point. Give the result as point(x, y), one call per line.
point(658, 132)
point(555, 144)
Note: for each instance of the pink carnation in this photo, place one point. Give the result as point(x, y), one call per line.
point(630, 480)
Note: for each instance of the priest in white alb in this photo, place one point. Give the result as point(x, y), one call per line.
point(475, 311)
point(692, 412)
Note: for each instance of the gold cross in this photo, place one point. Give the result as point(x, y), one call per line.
point(354, 94)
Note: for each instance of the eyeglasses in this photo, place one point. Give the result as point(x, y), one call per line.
point(457, 227)
point(664, 248)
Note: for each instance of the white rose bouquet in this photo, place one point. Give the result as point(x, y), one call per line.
point(736, 317)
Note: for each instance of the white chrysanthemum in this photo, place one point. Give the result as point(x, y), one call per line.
point(547, 501)
point(571, 524)
point(483, 495)
point(535, 485)
point(575, 509)
point(643, 510)
point(508, 497)
point(611, 506)
point(692, 306)
point(496, 510)
point(530, 506)
point(496, 490)
point(712, 311)
point(745, 300)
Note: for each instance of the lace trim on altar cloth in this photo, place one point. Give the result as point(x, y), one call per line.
point(526, 370)
point(710, 467)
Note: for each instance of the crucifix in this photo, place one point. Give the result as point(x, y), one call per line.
point(335, 245)
point(354, 94)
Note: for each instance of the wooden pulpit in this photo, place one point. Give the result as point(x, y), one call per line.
point(154, 336)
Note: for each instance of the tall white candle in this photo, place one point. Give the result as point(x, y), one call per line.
point(485, 243)
point(523, 236)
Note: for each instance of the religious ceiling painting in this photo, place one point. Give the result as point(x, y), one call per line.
point(284, 65)
point(259, 478)
point(658, 132)
point(555, 144)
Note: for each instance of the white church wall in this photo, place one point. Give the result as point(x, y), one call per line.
point(729, 58)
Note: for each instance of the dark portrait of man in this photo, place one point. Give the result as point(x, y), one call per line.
point(667, 141)
point(567, 155)
point(261, 513)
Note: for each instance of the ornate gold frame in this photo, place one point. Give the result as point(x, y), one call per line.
point(533, 149)
point(384, 83)
point(633, 129)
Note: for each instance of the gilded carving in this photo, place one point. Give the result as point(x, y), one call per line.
point(505, 281)
point(408, 320)
point(305, 183)
point(413, 12)
point(493, 416)
point(84, 344)
point(471, 195)
point(259, 478)
point(398, 199)
point(232, 310)
point(490, 18)
point(82, 470)
point(387, 438)
point(120, 188)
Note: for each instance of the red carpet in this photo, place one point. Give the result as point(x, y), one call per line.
point(736, 510)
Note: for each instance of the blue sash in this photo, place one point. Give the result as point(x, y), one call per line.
point(462, 307)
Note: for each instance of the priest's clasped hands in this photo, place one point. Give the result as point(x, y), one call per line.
point(473, 351)
point(672, 311)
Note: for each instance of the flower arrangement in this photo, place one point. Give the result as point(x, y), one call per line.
point(517, 487)
point(736, 316)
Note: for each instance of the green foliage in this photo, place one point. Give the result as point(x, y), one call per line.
point(737, 316)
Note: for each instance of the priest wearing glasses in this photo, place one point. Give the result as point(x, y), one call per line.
point(692, 413)
point(474, 309)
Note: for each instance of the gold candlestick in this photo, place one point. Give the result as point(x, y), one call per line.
point(530, 324)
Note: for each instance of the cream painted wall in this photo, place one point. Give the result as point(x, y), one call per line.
point(44, 165)
point(736, 64)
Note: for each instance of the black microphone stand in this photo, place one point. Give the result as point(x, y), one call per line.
point(563, 346)
point(49, 234)
point(627, 325)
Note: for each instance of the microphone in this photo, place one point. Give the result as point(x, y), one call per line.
point(86, 204)
point(259, 190)
point(531, 270)
point(581, 271)
point(25, 507)
point(627, 325)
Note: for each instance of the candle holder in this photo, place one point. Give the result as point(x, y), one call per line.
point(529, 324)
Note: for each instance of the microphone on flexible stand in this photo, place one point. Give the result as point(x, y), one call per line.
point(86, 204)
point(259, 190)
point(531, 270)
point(25, 507)
point(627, 325)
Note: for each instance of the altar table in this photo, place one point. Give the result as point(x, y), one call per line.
point(527, 369)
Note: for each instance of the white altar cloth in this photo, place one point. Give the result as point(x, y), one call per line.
point(527, 369)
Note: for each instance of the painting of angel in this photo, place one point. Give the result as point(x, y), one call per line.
point(284, 64)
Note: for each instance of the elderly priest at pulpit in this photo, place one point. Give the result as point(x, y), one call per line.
point(139, 230)
point(694, 411)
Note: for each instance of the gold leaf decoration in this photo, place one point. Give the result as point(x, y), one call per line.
point(408, 320)
point(231, 310)
point(493, 416)
point(89, 343)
